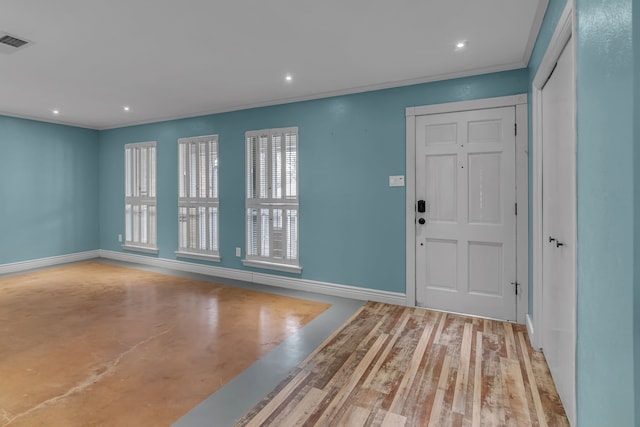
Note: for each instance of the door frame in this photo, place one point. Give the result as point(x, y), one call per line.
point(564, 32)
point(522, 198)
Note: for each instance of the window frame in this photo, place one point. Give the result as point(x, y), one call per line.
point(134, 174)
point(261, 196)
point(207, 204)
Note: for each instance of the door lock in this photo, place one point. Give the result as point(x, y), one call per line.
point(421, 221)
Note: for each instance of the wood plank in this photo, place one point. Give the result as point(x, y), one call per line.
point(460, 393)
point(517, 410)
point(442, 389)
point(429, 379)
point(547, 390)
point(492, 411)
point(347, 389)
point(486, 325)
point(394, 318)
point(419, 311)
point(542, 420)
point(299, 414)
point(385, 353)
point(393, 420)
point(355, 416)
point(510, 341)
point(477, 383)
point(443, 320)
point(337, 372)
point(345, 368)
point(410, 375)
point(278, 400)
point(393, 369)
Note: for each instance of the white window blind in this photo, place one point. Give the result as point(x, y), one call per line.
point(198, 197)
point(272, 213)
point(140, 206)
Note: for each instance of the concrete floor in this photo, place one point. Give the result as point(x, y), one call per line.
point(75, 362)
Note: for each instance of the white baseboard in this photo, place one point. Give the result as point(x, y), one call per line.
point(334, 289)
point(532, 336)
point(325, 288)
point(171, 264)
point(16, 267)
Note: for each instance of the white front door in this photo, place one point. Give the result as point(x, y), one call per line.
point(466, 247)
point(559, 228)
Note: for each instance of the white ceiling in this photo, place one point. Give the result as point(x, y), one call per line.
point(177, 58)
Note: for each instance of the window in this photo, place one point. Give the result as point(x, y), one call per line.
point(272, 199)
point(140, 213)
point(198, 197)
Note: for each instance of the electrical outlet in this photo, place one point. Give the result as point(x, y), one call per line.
point(119, 237)
point(238, 252)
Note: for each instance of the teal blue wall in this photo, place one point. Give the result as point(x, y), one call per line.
point(605, 174)
point(551, 18)
point(352, 224)
point(49, 190)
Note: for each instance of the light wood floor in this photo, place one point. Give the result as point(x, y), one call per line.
point(395, 366)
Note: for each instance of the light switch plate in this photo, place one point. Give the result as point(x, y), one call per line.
point(238, 252)
point(396, 181)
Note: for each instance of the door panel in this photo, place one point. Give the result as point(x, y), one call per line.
point(441, 188)
point(486, 131)
point(485, 268)
point(444, 133)
point(484, 188)
point(465, 250)
point(443, 258)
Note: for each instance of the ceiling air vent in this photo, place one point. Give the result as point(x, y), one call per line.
point(10, 43)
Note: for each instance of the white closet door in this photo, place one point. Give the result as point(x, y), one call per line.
point(559, 229)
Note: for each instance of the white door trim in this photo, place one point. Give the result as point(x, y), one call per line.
point(522, 248)
point(563, 33)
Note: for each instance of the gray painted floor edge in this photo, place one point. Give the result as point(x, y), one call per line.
point(237, 397)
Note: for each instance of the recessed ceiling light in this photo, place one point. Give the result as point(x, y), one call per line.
point(126, 108)
point(56, 112)
point(461, 44)
point(288, 77)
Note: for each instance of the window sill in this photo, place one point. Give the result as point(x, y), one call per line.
point(288, 268)
point(203, 257)
point(144, 249)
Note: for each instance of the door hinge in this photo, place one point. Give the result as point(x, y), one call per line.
point(516, 209)
point(515, 129)
point(515, 286)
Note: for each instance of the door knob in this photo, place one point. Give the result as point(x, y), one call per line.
point(421, 221)
point(551, 239)
point(558, 244)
